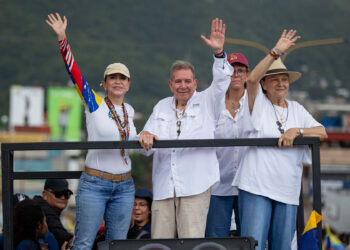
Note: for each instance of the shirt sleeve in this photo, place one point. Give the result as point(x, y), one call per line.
point(90, 99)
point(258, 109)
point(56, 228)
point(27, 245)
point(149, 127)
point(51, 241)
point(308, 121)
point(215, 94)
point(152, 125)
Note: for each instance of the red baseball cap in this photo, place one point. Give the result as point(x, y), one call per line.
point(237, 58)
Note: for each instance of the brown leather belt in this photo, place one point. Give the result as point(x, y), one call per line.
point(107, 176)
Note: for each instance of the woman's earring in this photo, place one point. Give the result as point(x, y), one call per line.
point(103, 86)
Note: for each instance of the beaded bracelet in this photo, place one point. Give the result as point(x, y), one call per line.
point(274, 53)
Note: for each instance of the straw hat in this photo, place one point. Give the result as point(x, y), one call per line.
point(277, 67)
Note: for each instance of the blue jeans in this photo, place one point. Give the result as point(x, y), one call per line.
point(98, 198)
point(267, 219)
point(219, 216)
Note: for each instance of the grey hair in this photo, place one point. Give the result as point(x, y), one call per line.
point(179, 64)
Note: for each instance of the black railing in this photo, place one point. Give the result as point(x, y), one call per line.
point(8, 175)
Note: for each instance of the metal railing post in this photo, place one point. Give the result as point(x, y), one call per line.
point(316, 186)
point(7, 196)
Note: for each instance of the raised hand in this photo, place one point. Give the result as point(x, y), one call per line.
point(217, 36)
point(286, 41)
point(58, 25)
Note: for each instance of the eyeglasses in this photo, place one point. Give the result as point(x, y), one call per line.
point(240, 71)
point(59, 194)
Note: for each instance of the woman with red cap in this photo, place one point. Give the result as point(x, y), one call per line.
point(223, 195)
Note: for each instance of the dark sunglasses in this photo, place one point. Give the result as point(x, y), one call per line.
point(59, 194)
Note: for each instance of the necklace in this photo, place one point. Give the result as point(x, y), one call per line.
point(232, 105)
point(179, 115)
point(281, 116)
point(280, 122)
point(123, 127)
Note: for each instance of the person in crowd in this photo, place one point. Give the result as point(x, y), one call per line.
point(269, 178)
point(182, 177)
point(18, 197)
point(141, 216)
point(140, 227)
point(53, 201)
point(106, 188)
point(224, 197)
point(49, 239)
point(30, 225)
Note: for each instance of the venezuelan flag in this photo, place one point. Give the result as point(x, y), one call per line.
point(309, 238)
point(332, 241)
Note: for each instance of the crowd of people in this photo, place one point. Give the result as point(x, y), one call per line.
point(195, 190)
point(38, 225)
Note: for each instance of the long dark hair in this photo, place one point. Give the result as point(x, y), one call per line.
point(27, 215)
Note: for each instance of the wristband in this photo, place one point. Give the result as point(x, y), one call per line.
point(220, 55)
point(275, 54)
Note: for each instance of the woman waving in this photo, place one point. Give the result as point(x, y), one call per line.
point(106, 188)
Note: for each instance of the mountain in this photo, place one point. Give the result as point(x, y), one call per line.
point(148, 35)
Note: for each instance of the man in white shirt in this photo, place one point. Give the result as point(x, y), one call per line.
point(182, 177)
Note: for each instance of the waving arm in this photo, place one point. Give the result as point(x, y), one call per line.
point(286, 41)
point(90, 99)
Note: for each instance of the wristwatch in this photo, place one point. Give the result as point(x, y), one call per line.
point(301, 132)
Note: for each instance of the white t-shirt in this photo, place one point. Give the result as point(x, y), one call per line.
point(229, 157)
point(270, 171)
point(102, 127)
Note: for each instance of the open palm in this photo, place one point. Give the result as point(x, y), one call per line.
point(286, 41)
point(217, 36)
point(58, 25)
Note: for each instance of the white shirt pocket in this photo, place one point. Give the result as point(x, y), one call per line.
point(162, 121)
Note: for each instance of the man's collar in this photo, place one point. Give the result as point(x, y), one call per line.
point(188, 104)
